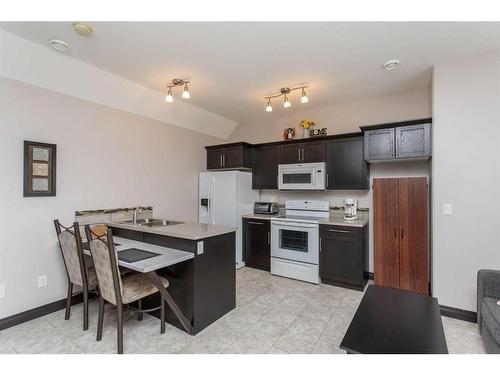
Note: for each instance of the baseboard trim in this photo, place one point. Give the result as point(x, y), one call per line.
point(453, 312)
point(37, 312)
point(368, 275)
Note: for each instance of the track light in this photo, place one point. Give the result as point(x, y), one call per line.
point(269, 108)
point(176, 82)
point(169, 98)
point(185, 93)
point(286, 103)
point(304, 98)
point(285, 91)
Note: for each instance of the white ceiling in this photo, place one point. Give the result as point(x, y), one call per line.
point(233, 65)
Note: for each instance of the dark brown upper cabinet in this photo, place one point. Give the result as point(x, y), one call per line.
point(303, 152)
point(403, 140)
point(229, 156)
point(265, 167)
point(346, 165)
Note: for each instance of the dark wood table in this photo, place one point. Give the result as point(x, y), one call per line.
point(394, 321)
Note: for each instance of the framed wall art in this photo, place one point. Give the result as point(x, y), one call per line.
point(39, 169)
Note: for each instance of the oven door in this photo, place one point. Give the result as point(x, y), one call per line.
point(295, 241)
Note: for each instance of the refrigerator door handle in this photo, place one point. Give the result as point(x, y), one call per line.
point(212, 180)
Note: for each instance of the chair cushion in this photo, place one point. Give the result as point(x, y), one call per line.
point(491, 317)
point(138, 286)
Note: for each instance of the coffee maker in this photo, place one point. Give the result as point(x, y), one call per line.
point(350, 209)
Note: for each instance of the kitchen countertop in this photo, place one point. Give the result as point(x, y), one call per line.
point(187, 230)
point(332, 220)
point(166, 256)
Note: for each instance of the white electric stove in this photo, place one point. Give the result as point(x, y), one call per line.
point(295, 240)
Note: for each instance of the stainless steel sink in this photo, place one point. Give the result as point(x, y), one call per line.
point(152, 222)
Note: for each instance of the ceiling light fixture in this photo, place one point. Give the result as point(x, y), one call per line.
point(185, 93)
point(285, 91)
point(304, 98)
point(59, 45)
point(177, 82)
point(269, 107)
point(83, 29)
point(169, 98)
point(391, 65)
point(286, 102)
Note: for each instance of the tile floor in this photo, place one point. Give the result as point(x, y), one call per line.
point(273, 315)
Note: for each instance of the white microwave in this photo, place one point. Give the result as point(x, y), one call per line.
point(306, 176)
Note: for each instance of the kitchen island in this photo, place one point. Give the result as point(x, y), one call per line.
point(204, 287)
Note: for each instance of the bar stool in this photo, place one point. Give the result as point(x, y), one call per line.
point(115, 290)
point(77, 271)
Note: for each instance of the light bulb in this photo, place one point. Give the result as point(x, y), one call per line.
point(304, 98)
point(185, 93)
point(269, 108)
point(169, 98)
point(286, 103)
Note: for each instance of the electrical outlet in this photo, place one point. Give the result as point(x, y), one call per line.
point(447, 209)
point(2, 290)
point(42, 281)
point(199, 247)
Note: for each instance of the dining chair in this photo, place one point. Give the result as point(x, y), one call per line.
point(118, 291)
point(78, 271)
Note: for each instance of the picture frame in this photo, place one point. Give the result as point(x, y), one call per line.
point(39, 169)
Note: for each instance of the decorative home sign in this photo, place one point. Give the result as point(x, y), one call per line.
point(39, 169)
point(318, 132)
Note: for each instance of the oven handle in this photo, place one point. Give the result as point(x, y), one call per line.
point(292, 224)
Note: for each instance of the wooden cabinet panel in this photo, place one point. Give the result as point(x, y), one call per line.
point(313, 152)
point(379, 144)
point(385, 232)
point(290, 153)
point(214, 158)
point(414, 247)
point(265, 167)
point(401, 240)
point(232, 156)
point(413, 141)
point(257, 243)
point(346, 165)
point(342, 255)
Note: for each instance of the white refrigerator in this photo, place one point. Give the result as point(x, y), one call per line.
point(223, 197)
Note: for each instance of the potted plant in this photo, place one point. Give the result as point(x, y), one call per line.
point(306, 125)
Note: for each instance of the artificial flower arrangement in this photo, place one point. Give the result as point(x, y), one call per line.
point(306, 125)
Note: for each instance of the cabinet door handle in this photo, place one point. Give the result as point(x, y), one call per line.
point(220, 162)
point(299, 154)
point(303, 157)
point(255, 222)
point(223, 160)
point(327, 180)
point(339, 231)
point(268, 238)
point(320, 244)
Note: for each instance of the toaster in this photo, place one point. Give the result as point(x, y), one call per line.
point(267, 208)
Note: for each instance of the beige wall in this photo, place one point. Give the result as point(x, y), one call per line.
point(338, 118)
point(465, 173)
point(105, 158)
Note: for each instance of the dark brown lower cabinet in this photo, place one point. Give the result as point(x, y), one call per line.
point(343, 255)
point(257, 243)
point(401, 237)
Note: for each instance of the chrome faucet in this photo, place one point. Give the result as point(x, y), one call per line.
point(137, 211)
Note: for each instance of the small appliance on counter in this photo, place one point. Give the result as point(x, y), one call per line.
point(350, 209)
point(265, 208)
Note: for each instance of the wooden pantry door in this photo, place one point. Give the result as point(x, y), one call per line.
point(385, 232)
point(413, 235)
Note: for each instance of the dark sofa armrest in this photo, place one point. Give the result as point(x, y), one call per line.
point(488, 285)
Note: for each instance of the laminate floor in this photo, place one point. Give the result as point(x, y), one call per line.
point(273, 315)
